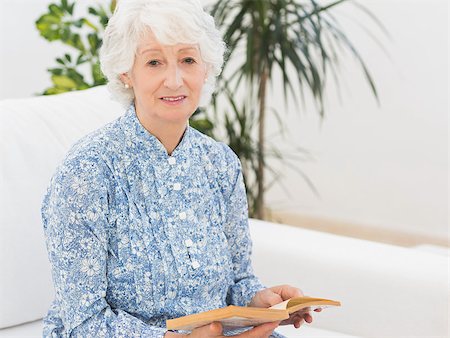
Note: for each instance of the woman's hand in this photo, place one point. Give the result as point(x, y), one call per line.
point(277, 294)
point(297, 318)
point(215, 330)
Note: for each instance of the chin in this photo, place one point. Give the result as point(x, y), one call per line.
point(174, 117)
point(177, 114)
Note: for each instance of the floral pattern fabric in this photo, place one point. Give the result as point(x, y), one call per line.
point(136, 236)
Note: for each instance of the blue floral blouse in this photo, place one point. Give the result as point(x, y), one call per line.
point(136, 236)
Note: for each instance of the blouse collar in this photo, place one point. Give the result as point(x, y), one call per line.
point(144, 137)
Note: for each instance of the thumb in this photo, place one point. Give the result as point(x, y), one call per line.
point(215, 329)
point(273, 298)
point(212, 330)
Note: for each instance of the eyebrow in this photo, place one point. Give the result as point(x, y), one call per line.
point(159, 50)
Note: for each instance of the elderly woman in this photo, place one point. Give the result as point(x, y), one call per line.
point(146, 219)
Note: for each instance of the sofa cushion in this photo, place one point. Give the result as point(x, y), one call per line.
point(35, 134)
point(34, 330)
point(385, 290)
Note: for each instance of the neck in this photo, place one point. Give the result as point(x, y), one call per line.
point(169, 134)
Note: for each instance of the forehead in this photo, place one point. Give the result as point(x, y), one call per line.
point(149, 43)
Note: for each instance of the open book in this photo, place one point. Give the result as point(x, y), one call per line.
point(239, 316)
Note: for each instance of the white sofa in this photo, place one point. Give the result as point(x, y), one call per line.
point(386, 291)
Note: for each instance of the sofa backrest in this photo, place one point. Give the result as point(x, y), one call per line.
point(35, 134)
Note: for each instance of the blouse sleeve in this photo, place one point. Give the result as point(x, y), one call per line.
point(75, 213)
point(246, 284)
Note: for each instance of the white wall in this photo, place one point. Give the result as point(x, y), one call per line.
point(380, 166)
point(24, 55)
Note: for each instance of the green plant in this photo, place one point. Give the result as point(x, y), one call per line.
point(83, 36)
point(240, 120)
point(299, 39)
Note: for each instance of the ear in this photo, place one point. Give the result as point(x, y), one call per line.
point(125, 78)
point(208, 69)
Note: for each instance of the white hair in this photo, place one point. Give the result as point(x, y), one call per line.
point(172, 22)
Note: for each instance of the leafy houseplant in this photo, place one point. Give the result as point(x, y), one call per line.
point(83, 35)
point(298, 38)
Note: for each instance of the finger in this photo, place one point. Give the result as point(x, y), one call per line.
point(215, 329)
point(301, 312)
point(308, 318)
point(287, 291)
point(298, 322)
point(212, 330)
point(318, 309)
point(273, 298)
point(263, 330)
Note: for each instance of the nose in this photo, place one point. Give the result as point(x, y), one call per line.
point(174, 78)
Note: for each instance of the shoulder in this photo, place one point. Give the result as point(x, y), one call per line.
point(219, 161)
point(88, 158)
point(97, 144)
point(218, 153)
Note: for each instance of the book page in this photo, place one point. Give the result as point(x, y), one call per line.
point(280, 306)
point(230, 317)
point(237, 316)
point(306, 303)
point(235, 322)
point(229, 323)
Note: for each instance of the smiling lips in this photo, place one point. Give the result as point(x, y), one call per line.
point(173, 100)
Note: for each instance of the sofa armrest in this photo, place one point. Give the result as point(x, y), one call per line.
point(386, 291)
point(35, 134)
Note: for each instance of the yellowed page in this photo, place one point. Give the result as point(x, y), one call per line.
point(298, 303)
point(281, 306)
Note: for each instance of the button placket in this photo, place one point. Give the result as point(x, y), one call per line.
point(190, 250)
point(183, 215)
point(172, 160)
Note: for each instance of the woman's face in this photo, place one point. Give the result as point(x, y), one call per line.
point(166, 80)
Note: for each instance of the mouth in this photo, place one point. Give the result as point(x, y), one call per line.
point(173, 100)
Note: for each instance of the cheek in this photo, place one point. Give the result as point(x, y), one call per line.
point(145, 81)
point(197, 84)
point(196, 78)
point(147, 88)
point(199, 87)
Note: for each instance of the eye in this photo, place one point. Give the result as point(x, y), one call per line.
point(189, 60)
point(153, 63)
